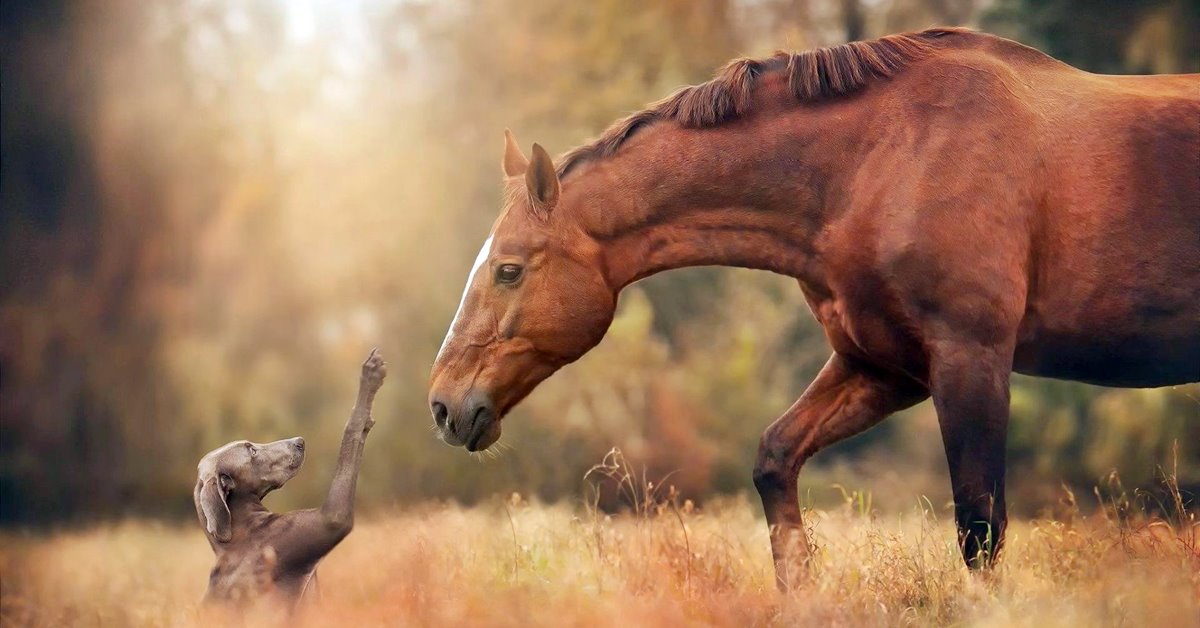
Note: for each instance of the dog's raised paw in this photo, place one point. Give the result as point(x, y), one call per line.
point(374, 369)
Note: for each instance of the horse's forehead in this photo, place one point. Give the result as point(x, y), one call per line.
point(515, 233)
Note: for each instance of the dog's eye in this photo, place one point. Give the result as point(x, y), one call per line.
point(508, 273)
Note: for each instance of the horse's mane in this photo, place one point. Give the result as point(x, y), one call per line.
point(812, 75)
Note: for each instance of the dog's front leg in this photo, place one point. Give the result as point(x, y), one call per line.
point(339, 504)
point(302, 537)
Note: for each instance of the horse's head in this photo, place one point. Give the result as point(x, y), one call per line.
point(535, 300)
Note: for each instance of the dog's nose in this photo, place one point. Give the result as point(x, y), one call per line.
point(298, 444)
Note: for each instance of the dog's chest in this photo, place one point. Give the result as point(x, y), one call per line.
point(243, 575)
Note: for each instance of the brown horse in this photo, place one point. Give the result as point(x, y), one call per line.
point(955, 206)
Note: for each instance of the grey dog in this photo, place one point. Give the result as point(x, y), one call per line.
point(258, 551)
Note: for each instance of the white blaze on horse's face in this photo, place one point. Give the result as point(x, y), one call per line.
point(484, 253)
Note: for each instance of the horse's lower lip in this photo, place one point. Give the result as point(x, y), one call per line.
point(450, 438)
point(479, 427)
point(476, 436)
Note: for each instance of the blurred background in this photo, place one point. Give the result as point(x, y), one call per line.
point(212, 209)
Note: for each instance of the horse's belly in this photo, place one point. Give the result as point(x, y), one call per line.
point(1108, 359)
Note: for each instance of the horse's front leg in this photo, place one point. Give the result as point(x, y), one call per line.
point(970, 392)
point(845, 399)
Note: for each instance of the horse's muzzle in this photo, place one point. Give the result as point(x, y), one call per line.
point(473, 424)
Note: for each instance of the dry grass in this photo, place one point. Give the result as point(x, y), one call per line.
point(516, 563)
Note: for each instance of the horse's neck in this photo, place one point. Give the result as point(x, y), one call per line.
point(707, 198)
point(744, 237)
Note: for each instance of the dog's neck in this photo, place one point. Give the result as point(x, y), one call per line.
point(246, 513)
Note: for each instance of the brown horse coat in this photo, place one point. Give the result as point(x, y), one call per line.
point(955, 206)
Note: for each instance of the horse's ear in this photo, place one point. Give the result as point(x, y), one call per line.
point(514, 162)
point(542, 180)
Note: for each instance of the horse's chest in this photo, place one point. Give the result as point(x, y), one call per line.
point(863, 329)
point(838, 328)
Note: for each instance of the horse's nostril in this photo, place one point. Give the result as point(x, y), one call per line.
point(299, 444)
point(439, 413)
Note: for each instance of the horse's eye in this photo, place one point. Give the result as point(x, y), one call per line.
point(508, 273)
point(251, 448)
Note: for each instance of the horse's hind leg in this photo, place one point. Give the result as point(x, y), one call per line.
point(970, 391)
point(845, 399)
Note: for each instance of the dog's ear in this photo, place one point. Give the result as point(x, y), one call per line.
point(210, 501)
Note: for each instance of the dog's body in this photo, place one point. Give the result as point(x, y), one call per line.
point(260, 552)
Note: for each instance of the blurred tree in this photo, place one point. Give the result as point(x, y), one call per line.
point(212, 209)
point(1111, 36)
point(853, 20)
point(74, 280)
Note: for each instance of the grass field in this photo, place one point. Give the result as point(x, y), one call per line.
point(515, 563)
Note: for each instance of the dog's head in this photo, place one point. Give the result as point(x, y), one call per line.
point(242, 468)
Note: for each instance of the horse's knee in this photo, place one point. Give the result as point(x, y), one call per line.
point(776, 467)
point(768, 477)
